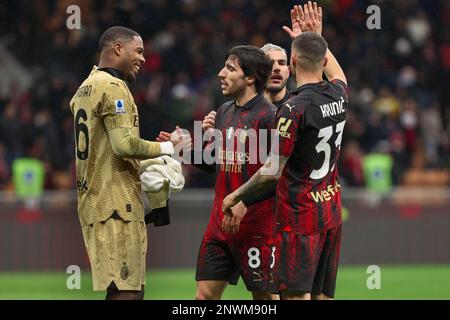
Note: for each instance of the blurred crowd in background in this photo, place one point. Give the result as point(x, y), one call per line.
point(398, 76)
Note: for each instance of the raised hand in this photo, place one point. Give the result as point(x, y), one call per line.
point(295, 24)
point(310, 17)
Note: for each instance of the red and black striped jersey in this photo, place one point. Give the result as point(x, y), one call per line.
point(240, 123)
point(310, 127)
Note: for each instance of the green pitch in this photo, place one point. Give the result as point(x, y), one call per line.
point(397, 282)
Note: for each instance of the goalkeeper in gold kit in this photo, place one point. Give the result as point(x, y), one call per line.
point(108, 154)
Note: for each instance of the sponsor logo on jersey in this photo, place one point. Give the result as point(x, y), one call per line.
point(326, 194)
point(120, 106)
point(283, 126)
point(289, 106)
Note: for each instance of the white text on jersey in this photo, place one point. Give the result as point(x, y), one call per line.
point(333, 108)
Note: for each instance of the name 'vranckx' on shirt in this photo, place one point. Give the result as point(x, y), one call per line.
point(333, 108)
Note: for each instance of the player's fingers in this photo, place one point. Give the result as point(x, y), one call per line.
point(232, 225)
point(228, 225)
point(237, 224)
point(294, 15)
point(320, 15)
point(209, 121)
point(224, 225)
point(288, 31)
point(301, 13)
point(311, 11)
point(207, 128)
point(306, 11)
point(163, 136)
point(164, 133)
point(211, 116)
point(315, 12)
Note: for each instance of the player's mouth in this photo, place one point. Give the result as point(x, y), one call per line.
point(223, 85)
point(136, 67)
point(276, 79)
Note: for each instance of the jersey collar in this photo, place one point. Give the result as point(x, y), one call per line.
point(252, 102)
point(309, 85)
point(114, 72)
point(285, 98)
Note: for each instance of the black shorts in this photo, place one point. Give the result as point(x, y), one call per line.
point(251, 257)
point(308, 263)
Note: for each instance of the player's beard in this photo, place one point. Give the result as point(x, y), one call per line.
point(236, 93)
point(277, 88)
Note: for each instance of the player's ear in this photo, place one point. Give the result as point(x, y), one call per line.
point(249, 80)
point(117, 49)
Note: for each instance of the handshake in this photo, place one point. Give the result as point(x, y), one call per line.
point(181, 141)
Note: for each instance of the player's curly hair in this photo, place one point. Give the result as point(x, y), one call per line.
point(254, 63)
point(114, 34)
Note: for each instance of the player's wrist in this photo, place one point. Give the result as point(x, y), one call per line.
point(167, 148)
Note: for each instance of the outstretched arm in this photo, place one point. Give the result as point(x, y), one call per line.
point(125, 144)
point(311, 20)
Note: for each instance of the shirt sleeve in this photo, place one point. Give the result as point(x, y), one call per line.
point(117, 109)
point(343, 87)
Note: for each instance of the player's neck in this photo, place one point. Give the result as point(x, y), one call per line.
point(245, 97)
point(275, 97)
point(106, 63)
point(303, 77)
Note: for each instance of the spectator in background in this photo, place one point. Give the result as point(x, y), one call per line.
point(405, 63)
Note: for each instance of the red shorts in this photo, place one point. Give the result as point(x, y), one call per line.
point(308, 263)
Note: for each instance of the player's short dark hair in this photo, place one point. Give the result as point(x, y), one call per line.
point(311, 50)
point(116, 33)
point(254, 63)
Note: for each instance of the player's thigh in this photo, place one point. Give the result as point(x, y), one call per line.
point(210, 289)
point(117, 251)
point(297, 259)
point(255, 254)
point(326, 274)
point(215, 261)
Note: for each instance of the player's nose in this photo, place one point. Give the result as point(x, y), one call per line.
point(222, 73)
point(276, 67)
